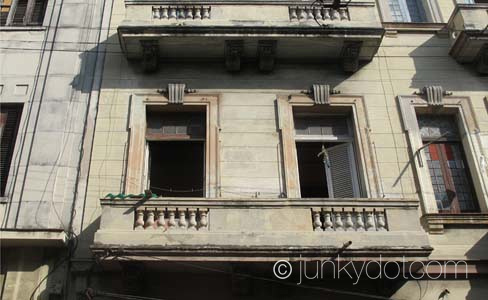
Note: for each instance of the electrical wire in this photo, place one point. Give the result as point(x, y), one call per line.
point(327, 290)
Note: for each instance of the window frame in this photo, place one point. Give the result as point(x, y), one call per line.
point(136, 175)
point(431, 9)
point(468, 127)
point(14, 159)
point(28, 15)
point(368, 179)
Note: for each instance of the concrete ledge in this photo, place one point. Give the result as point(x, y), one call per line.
point(436, 222)
point(32, 238)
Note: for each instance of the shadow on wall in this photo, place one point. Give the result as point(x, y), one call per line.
point(433, 65)
point(119, 73)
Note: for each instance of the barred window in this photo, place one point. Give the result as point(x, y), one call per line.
point(22, 12)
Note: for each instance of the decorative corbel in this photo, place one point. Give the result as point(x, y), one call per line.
point(176, 92)
point(321, 93)
point(434, 95)
point(266, 55)
point(150, 55)
point(350, 56)
point(482, 60)
point(233, 53)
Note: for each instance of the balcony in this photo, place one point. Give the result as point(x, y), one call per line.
point(259, 229)
point(468, 31)
point(258, 33)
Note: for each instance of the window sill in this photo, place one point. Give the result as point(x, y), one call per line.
point(23, 28)
point(3, 200)
point(395, 27)
point(436, 222)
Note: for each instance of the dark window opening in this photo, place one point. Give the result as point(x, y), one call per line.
point(177, 168)
point(9, 124)
point(312, 170)
point(176, 141)
point(448, 168)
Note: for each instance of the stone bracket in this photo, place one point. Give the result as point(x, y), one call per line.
point(434, 95)
point(233, 55)
point(150, 55)
point(350, 56)
point(266, 55)
point(176, 92)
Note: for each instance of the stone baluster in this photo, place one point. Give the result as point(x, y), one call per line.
point(309, 13)
point(339, 225)
point(203, 224)
point(369, 221)
point(164, 13)
point(171, 219)
point(328, 225)
point(326, 13)
point(198, 12)
point(380, 220)
point(189, 13)
point(181, 12)
point(182, 223)
point(192, 222)
point(317, 224)
point(156, 12)
point(302, 14)
point(334, 14)
point(317, 13)
point(160, 222)
point(293, 14)
point(139, 223)
point(206, 12)
point(343, 14)
point(172, 13)
point(359, 221)
point(150, 220)
point(349, 224)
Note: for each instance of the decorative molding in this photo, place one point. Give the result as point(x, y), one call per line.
point(350, 56)
point(187, 12)
point(434, 95)
point(318, 13)
point(176, 92)
point(233, 53)
point(266, 55)
point(150, 55)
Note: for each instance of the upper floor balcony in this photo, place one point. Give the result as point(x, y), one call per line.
point(259, 229)
point(468, 29)
point(303, 31)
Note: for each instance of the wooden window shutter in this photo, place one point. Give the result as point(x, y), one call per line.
point(9, 123)
point(19, 14)
point(341, 172)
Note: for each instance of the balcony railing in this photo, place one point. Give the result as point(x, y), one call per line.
point(260, 228)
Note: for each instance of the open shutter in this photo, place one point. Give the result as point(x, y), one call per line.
point(9, 121)
point(342, 172)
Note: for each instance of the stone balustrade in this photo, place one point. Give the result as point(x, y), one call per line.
point(171, 218)
point(312, 13)
point(190, 12)
point(258, 228)
point(349, 219)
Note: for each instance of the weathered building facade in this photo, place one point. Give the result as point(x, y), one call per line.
point(233, 134)
point(48, 98)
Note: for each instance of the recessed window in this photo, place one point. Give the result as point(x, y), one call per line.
point(9, 124)
point(449, 172)
point(22, 12)
point(325, 155)
point(407, 11)
point(176, 153)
